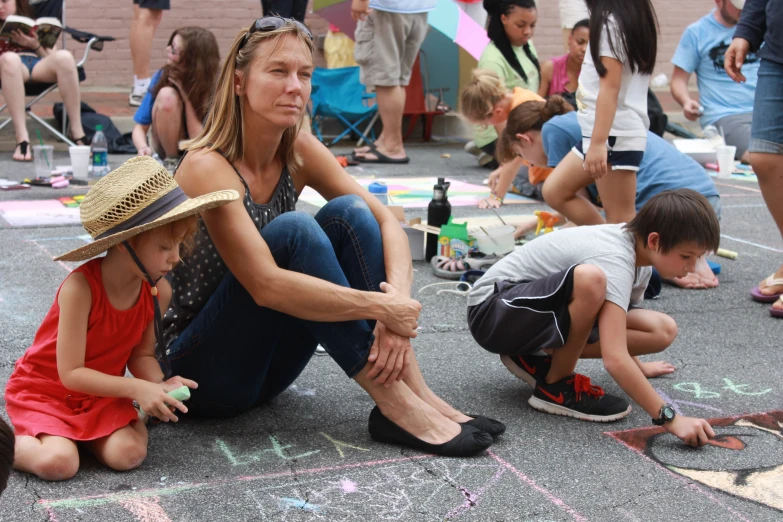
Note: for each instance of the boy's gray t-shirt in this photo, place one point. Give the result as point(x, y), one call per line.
point(608, 247)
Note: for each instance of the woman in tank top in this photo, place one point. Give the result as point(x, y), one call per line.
point(265, 284)
point(560, 75)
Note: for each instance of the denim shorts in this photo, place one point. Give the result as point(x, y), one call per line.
point(29, 61)
point(766, 134)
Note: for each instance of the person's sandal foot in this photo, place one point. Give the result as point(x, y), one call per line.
point(487, 425)
point(469, 442)
point(24, 152)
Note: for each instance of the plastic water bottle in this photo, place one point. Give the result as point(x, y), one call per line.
point(438, 213)
point(380, 191)
point(99, 148)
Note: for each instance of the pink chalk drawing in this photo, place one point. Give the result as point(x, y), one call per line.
point(349, 486)
point(146, 509)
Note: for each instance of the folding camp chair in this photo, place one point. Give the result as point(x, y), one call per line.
point(337, 93)
point(38, 89)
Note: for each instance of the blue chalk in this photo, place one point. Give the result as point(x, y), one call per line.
point(715, 267)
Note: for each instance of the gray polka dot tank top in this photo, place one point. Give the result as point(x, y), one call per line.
point(195, 279)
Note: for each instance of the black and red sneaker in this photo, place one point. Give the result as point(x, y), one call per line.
point(577, 397)
point(530, 368)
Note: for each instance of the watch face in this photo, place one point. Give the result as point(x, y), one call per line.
point(668, 413)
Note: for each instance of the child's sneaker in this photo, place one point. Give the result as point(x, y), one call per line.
point(530, 368)
point(577, 397)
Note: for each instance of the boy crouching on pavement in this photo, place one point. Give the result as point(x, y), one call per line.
point(540, 305)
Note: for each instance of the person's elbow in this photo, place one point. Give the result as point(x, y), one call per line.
point(69, 378)
point(265, 288)
point(614, 365)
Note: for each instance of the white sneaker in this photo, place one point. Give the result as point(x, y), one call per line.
point(485, 158)
point(470, 148)
point(136, 96)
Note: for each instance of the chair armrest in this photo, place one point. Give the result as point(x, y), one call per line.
point(93, 41)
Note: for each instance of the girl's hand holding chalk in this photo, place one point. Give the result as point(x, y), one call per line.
point(160, 400)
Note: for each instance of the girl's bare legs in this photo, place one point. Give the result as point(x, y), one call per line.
point(124, 449)
point(562, 192)
point(13, 75)
point(47, 456)
point(618, 195)
point(60, 67)
point(167, 118)
point(407, 410)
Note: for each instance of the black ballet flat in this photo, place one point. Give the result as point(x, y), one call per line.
point(469, 442)
point(487, 425)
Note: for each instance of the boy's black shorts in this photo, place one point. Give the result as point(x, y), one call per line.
point(522, 318)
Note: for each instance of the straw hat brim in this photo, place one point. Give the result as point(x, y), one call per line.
point(188, 208)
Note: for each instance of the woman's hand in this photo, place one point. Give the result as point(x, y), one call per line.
point(390, 354)
point(735, 57)
point(145, 151)
point(595, 160)
point(154, 400)
point(403, 312)
point(25, 40)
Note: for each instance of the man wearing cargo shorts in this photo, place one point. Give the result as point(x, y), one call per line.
point(388, 36)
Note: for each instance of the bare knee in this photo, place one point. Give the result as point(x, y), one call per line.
point(590, 284)
point(150, 16)
point(64, 60)
point(10, 63)
point(59, 464)
point(168, 100)
point(668, 331)
point(553, 195)
point(126, 454)
point(763, 164)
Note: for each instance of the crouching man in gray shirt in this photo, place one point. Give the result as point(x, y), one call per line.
point(573, 293)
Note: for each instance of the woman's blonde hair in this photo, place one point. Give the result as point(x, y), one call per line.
point(224, 127)
point(525, 117)
point(481, 94)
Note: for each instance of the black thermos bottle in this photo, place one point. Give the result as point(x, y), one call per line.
point(438, 213)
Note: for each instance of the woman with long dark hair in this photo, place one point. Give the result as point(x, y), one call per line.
point(178, 97)
point(511, 55)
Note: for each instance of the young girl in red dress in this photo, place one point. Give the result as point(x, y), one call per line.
point(70, 386)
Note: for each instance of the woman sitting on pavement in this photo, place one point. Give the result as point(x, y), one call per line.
point(544, 133)
point(24, 59)
point(265, 284)
point(560, 75)
point(178, 96)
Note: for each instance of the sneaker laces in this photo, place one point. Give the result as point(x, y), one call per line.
point(582, 385)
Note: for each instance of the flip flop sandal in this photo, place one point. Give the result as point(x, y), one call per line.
point(764, 298)
point(774, 312)
point(23, 145)
point(379, 158)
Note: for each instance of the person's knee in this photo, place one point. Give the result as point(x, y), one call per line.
point(765, 165)
point(10, 63)
point(58, 464)
point(590, 284)
point(168, 100)
point(351, 208)
point(668, 331)
point(63, 60)
point(302, 229)
point(553, 195)
point(127, 453)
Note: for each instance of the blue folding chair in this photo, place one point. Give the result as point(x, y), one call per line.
point(338, 94)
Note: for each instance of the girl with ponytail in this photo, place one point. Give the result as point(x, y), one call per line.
point(510, 54)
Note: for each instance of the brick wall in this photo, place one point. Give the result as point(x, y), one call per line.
point(113, 66)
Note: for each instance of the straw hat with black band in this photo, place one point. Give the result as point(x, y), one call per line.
point(137, 196)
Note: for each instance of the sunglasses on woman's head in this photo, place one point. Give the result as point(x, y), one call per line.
point(272, 23)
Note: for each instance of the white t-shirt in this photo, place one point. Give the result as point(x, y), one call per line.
point(631, 116)
point(609, 247)
point(404, 6)
point(571, 12)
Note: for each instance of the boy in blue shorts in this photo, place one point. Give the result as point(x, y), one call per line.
point(539, 307)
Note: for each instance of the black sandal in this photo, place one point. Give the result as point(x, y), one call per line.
point(23, 145)
point(82, 141)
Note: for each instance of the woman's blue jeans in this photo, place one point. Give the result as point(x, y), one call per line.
point(242, 354)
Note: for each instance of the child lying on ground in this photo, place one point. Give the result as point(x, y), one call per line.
point(538, 308)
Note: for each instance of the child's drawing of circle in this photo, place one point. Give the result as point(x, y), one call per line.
point(734, 448)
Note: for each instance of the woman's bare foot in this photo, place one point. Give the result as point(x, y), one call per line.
point(702, 278)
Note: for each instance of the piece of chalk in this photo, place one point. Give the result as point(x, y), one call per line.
point(729, 254)
point(181, 394)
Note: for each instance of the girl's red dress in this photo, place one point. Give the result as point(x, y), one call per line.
point(36, 400)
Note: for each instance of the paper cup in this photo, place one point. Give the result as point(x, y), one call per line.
point(80, 160)
point(495, 240)
point(43, 158)
point(725, 155)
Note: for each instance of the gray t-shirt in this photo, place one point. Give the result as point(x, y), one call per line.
point(608, 247)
